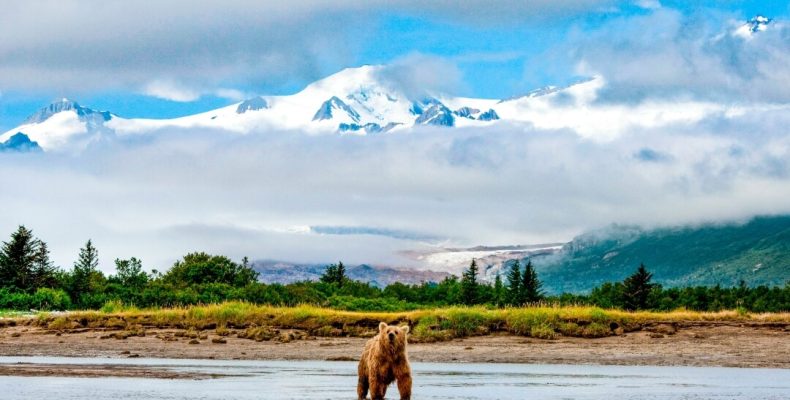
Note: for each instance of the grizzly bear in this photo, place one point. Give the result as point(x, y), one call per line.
point(383, 361)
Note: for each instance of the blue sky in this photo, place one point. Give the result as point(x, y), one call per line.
point(499, 55)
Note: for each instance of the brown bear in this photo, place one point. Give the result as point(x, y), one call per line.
point(383, 361)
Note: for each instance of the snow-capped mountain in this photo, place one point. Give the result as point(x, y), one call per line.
point(355, 100)
point(61, 124)
point(365, 100)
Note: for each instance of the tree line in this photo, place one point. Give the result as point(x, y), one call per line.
point(29, 280)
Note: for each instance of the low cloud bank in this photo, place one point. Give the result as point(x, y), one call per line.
point(368, 198)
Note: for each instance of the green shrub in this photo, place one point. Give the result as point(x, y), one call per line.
point(543, 331)
point(569, 329)
point(596, 330)
point(429, 330)
point(350, 303)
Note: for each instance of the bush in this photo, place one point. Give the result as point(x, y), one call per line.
point(543, 331)
point(350, 303)
point(51, 299)
point(43, 299)
point(596, 330)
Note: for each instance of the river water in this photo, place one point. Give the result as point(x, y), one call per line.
point(263, 380)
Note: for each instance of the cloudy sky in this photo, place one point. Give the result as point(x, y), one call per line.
point(368, 199)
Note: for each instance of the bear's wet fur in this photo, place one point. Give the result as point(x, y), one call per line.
point(384, 361)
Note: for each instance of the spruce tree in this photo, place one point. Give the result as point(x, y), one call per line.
point(341, 274)
point(637, 288)
point(469, 289)
point(530, 286)
point(330, 274)
point(43, 269)
point(514, 284)
point(335, 273)
point(22, 259)
point(499, 291)
point(84, 268)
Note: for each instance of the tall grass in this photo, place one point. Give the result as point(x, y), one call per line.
point(428, 324)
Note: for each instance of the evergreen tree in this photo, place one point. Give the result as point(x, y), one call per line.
point(530, 285)
point(514, 284)
point(84, 269)
point(637, 288)
point(469, 285)
point(499, 291)
point(330, 274)
point(341, 274)
point(335, 273)
point(24, 262)
point(43, 270)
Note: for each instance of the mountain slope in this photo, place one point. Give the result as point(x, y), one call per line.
point(364, 101)
point(63, 124)
point(284, 272)
point(757, 252)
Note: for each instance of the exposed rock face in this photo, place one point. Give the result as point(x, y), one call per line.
point(367, 128)
point(489, 115)
point(466, 112)
point(253, 104)
point(19, 143)
point(85, 114)
point(438, 115)
point(327, 109)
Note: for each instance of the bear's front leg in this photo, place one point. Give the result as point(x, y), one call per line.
point(362, 387)
point(404, 386)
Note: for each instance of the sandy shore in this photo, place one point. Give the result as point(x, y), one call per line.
point(99, 371)
point(704, 345)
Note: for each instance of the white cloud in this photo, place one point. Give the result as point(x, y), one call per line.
point(173, 91)
point(421, 75)
point(160, 196)
point(169, 90)
point(668, 54)
point(649, 4)
point(77, 46)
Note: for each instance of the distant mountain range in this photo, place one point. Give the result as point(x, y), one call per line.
point(359, 101)
point(363, 100)
point(757, 252)
point(285, 272)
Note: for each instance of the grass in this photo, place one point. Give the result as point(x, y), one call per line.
point(260, 322)
point(13, 314)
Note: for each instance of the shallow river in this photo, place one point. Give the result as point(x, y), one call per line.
point(337, 380)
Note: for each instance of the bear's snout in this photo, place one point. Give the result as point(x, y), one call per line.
point(392, 336)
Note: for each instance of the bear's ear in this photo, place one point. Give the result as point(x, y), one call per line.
point(405, 328)
point(382, 326)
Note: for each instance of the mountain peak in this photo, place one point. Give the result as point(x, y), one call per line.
point(347, 80)
point(63, 105)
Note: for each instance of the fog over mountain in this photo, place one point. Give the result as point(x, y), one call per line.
point(384, 165)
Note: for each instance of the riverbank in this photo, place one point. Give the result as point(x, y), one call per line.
point(726, 344)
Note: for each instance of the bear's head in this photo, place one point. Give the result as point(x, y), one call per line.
point(393, 337)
